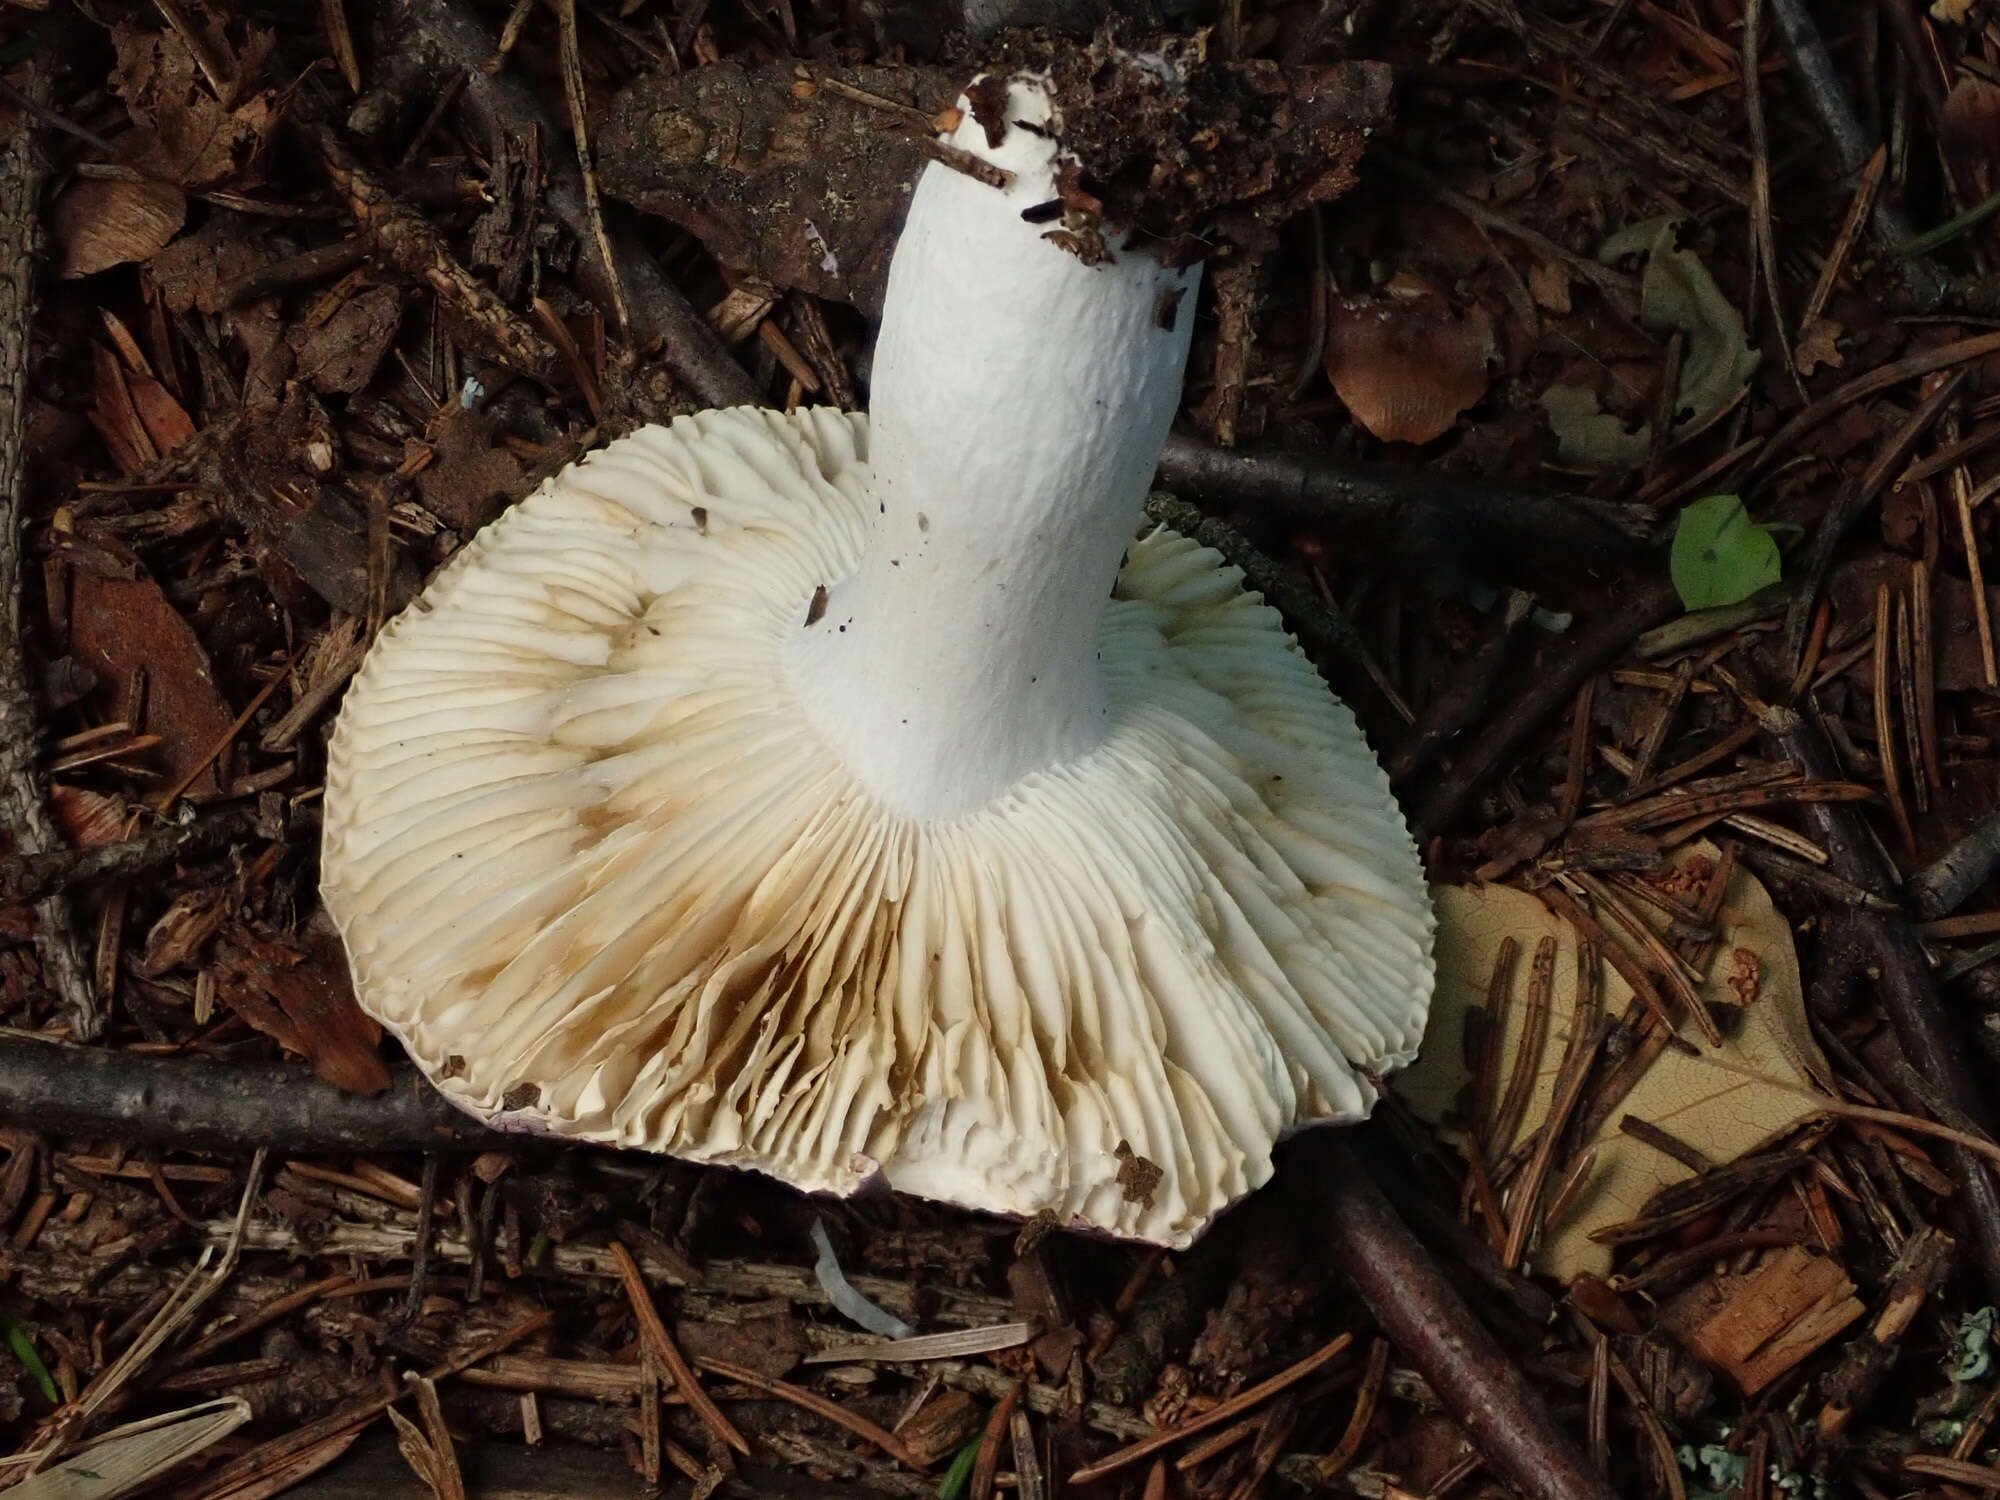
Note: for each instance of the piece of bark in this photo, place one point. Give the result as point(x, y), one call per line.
point(808, 192)
point(254, 470)
point(127, 633)
point(405, 238)
point(1766, 1322)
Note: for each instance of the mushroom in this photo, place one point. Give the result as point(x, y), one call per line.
point(854, 798)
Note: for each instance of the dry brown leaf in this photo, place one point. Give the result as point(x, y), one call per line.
point(99, 224)
point(1676, 291)
point(121, 628)
point(1405, 366)
point(184, 134)
point(306, 1006)
point(1720, 1113)
point(1819, 345)
point(88, 820)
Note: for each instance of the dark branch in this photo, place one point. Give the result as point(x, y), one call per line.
point(1424, 1316)
point(1426, 518)
point(220, 1106)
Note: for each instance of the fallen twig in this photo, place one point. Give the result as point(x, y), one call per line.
point(23, 807)
point(406, 240)
point(663, 1348)
point(820, 1406)
point(1942, 886)
point(1419, 513)
point(1425, 1317)
point(94, 1091)
point(1215, 1416)
point(1552, 685)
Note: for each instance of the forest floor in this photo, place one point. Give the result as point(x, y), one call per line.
point(1622, 442)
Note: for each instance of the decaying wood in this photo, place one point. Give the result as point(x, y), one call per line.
point(1768, 1321)
point(1413, 511)
point(446, 38)
point(24, 808)
point(406, 239)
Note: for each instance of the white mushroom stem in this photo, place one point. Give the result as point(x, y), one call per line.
point(1020, 400)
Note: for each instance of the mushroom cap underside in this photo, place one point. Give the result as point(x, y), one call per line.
point(595, 871)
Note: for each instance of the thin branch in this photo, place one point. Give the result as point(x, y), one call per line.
point(92, 1091)
point(23, 804)
point(1424, 1316)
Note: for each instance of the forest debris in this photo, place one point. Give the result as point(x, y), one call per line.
point(429, 1449)
point(136, 642)
point(340, 355)
point(306, 1007)
point(88, 819)
point(744, 162)
point(1216, 1415)
point(741, 161)
point(1721, 1113)
point(661, 1346)
point(255, 470)
point(209, 268)
point(100, 223)
point(405, 239)
point(1922, 1266)
point(183, 132)
point(1676, 292)
point(184, 930)
point(1774, 1317)
point(1405, 364)
point(138, 419)
point(471, 478)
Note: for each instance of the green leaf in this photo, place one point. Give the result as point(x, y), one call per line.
point(24, 1351)
point(959, 1475)
point(1720, 555)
